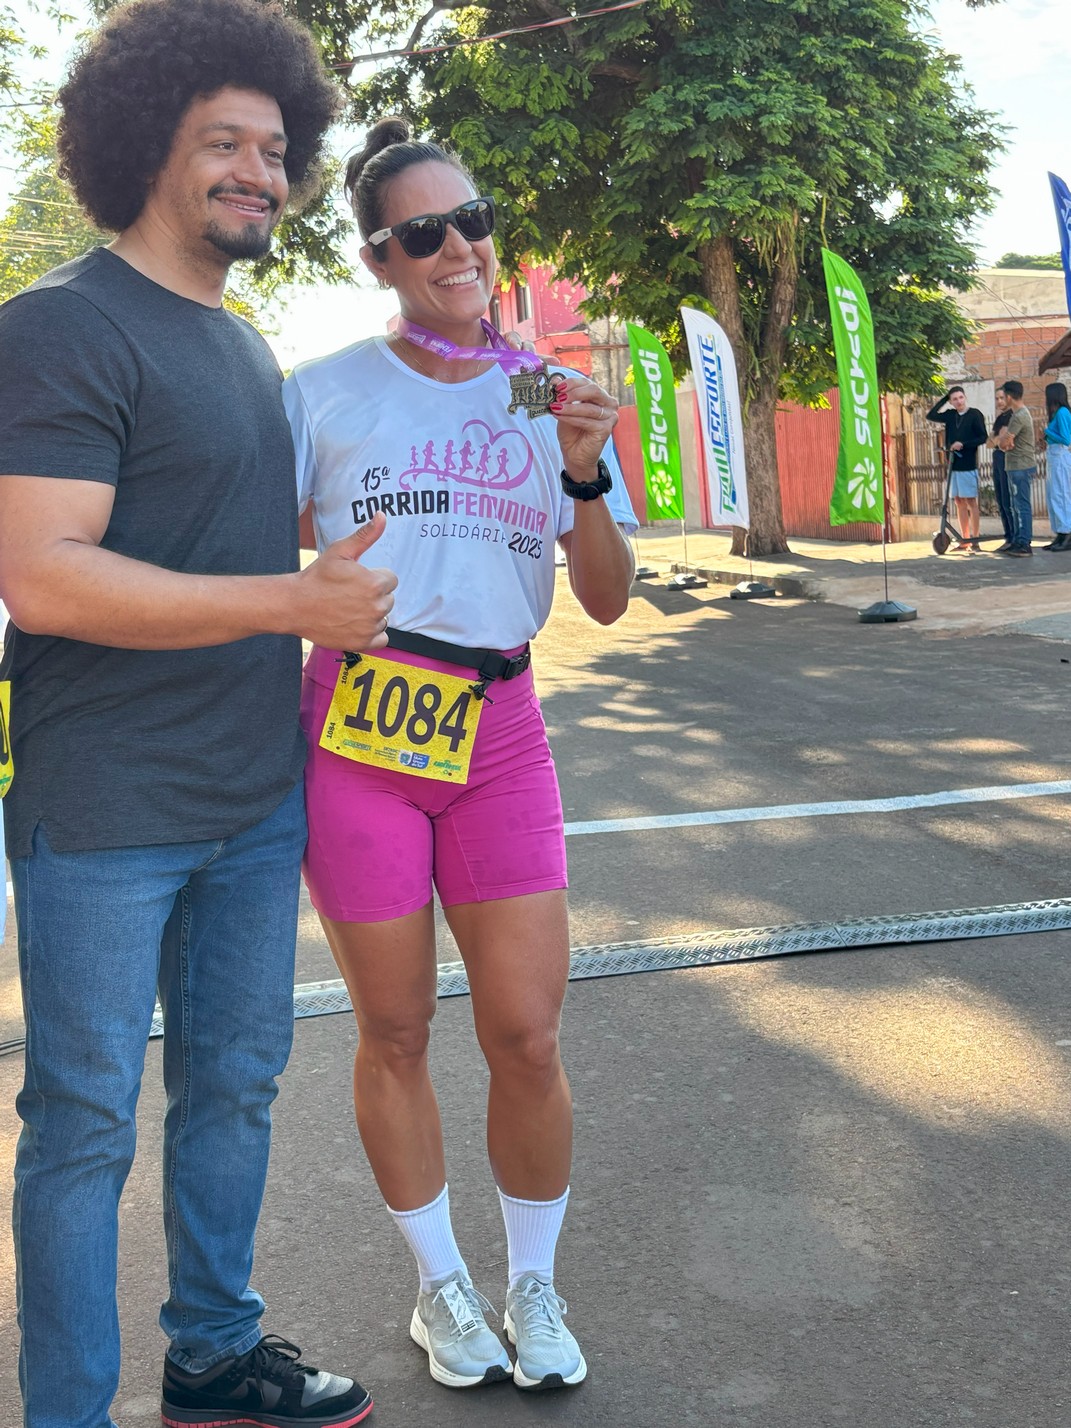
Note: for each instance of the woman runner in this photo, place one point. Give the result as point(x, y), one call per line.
point(437, 768)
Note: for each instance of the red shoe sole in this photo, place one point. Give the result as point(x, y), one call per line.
point(231, 1422)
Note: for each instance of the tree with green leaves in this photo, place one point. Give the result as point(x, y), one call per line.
point(309, 241)
point(43, 225)
point(10, 44)
point(1043, 262)
point(703, 152)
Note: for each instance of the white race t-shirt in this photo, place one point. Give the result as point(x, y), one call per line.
point(471, 493)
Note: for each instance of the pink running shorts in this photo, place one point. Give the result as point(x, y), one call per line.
point(378, 839)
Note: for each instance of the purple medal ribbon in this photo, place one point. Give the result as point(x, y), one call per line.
point(499, 351)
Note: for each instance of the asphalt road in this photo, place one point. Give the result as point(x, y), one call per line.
point(808, 1191)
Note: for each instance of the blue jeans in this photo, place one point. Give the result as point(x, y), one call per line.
point(1002, 491)
point(212, 926)
point(1022, 516)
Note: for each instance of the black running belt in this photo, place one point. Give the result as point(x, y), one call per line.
point(491, 664)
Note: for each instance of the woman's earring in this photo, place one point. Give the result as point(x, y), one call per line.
point(383, 284)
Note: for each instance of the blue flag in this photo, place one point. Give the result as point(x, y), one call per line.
point(1061, 196)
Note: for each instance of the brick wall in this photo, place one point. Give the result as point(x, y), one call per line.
point(1007, 349)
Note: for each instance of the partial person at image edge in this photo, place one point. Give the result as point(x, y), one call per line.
point(1058, 464)
point(148, 549)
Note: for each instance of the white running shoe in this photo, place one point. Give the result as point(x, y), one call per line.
point(448, 1323)
point(547, 1354)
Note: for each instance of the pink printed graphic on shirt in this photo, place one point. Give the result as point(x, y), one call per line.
point(494, 460)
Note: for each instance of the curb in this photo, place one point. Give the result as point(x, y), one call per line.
point(793, 587)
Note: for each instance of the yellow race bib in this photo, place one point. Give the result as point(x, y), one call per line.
point(397, 716)
point(7, 758)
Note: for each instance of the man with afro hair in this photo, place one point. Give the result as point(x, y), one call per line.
point(155, 825)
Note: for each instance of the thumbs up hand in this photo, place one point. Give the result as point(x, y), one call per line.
point(343, 604)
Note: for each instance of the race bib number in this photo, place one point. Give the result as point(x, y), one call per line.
point(7, 758)
point(396, 716)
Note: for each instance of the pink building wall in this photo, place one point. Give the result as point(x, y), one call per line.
point(553, 324)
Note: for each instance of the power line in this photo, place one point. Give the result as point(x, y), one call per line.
point(44, 202)
point(498, 35)
point(48, 236)
point(36, 233)
point(420, 50)
point(1016, 317)
point(423, 49)
point(15, 243)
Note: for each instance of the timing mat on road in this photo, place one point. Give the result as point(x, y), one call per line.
point(748, 944)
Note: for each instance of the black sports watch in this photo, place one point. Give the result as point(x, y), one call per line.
point(588, 490)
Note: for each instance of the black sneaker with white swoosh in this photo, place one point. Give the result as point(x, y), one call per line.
point(268, 1387)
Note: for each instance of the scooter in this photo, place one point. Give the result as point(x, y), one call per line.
point(943, 538)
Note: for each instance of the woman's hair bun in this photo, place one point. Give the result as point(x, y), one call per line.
point(392, 130)
point(385, 132)
point(389, 149)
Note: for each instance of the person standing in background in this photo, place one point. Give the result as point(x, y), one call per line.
point(1020, 462)
point(1001, 489)
point(964, 433)
point(1058, 460)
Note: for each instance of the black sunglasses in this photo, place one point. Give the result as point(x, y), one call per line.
point(421, 237)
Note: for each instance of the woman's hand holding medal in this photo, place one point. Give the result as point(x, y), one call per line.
point(586, 415)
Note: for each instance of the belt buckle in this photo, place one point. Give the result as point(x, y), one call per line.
point(518, 664)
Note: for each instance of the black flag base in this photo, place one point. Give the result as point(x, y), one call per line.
point(685, 580)
point(646, 572)
point(752, 590)
point(887, 612)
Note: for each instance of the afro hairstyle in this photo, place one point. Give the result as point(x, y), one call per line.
point(128, 90)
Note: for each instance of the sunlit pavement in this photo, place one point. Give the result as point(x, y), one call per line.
point(962, 592)
point(808, 1191)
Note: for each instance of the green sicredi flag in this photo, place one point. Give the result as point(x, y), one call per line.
point(656, 403)
point(859, 488)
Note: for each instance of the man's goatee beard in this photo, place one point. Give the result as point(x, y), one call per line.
point(252, 241)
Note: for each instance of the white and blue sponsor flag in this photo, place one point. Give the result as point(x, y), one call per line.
point(1061, 196)
point(720, 416)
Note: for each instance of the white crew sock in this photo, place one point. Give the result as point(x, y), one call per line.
point(532, 1229)
point(430, 1235)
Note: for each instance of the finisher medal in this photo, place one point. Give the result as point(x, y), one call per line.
point(531, 385)
point(532, 391)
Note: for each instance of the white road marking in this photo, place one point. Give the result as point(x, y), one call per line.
point(990, 793)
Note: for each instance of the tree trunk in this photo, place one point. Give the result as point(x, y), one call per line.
point(767, 533)
point(759, 376)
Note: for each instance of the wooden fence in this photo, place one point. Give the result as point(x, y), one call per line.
point(807, 443)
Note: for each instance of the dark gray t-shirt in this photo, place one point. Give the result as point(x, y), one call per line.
point(106, 376)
